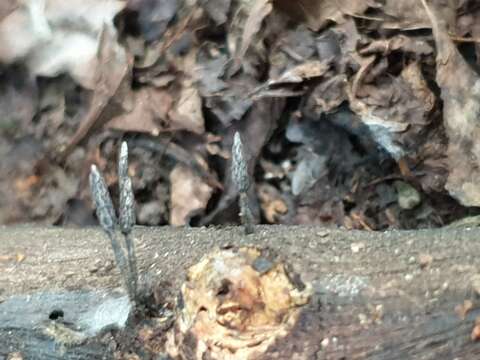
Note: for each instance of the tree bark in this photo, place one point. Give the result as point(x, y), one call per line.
point(391, 295)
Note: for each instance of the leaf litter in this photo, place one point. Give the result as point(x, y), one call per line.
point(356, 114)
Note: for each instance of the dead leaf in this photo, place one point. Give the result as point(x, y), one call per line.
point(460, 91)
point(302, 72)
point(55, 37)
point(155, 111)
point(189, 194)
point(418, 46)
point(110, 95)
point(405, 15)
point(327, 96)
point(187, 112)
point(412, 74)
point(395, 109)
point(149, 114)
point(410, 14)
point(273, 206)
point(258, 12)
point(319, 13)
point(296, 75)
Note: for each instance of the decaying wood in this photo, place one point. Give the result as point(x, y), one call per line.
point(393, 295)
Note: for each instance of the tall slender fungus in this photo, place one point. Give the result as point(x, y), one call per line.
point(242, 182)
point(108, 220)
point(127, 213)
point(103, 202)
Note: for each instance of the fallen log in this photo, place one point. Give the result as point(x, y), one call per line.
point(391, 295)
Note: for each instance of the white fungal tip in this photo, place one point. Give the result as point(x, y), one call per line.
point(237, 140)
point(124, 149)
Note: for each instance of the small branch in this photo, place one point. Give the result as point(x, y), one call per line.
point(462, 39)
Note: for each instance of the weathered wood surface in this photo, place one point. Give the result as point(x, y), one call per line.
point(377, 295)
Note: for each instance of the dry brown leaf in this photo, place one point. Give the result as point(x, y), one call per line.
point(271, 202)
point(318, 13)
point(412, 74)
point(327, 96)
point(404, 43)
point(258, 12)
point(405, 15)
point(110, 96)
point(278, 87)
point(187, 111)
point(189, 194)
point(460, 91)
point(155, 111)
point(149, 113)
point(55, 36)
point(395, 109)
point(302, 72)
point(411, 15)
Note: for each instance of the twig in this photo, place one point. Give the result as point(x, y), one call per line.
point(463, 39)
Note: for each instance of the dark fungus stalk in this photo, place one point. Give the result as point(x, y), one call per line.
point(127, 213)
point(242, 182)
point(108, 220)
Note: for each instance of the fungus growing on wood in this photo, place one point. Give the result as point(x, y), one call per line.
point(236, 304)
point(106, 216)
point(242, 182)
